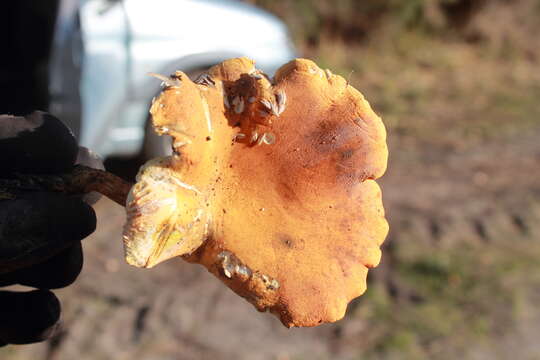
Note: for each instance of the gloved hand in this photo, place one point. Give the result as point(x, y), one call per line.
point(40, 232)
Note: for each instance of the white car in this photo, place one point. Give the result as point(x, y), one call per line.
point(104, 49)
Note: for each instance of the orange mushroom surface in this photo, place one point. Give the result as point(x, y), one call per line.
point(270, 187)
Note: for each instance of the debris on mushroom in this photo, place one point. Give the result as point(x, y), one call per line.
point(172, 81)
point(288, 213)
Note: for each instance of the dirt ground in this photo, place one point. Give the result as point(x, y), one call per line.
point(180, 311)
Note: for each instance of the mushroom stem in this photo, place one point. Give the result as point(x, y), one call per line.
point(81, 180)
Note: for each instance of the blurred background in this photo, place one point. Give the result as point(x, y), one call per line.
point(457, 85)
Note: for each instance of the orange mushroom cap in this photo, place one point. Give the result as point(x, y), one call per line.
point(271, 187)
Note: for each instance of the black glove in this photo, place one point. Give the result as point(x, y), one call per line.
point(40, 232)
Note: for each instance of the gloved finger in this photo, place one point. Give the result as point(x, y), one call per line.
point(28, 317)
point(37, 143)
point(7, 279)
point(91, 159)
point(37, 226)
point(59, 271)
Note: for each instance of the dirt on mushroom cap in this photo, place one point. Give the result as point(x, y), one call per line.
point(273, 185)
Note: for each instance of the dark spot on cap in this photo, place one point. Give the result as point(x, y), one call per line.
point(287, 192)
point(287, 241)
point(290, 243)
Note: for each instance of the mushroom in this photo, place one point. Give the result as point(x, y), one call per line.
point(270, 187)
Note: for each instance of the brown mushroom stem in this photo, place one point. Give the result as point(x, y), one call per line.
point(81, 180)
